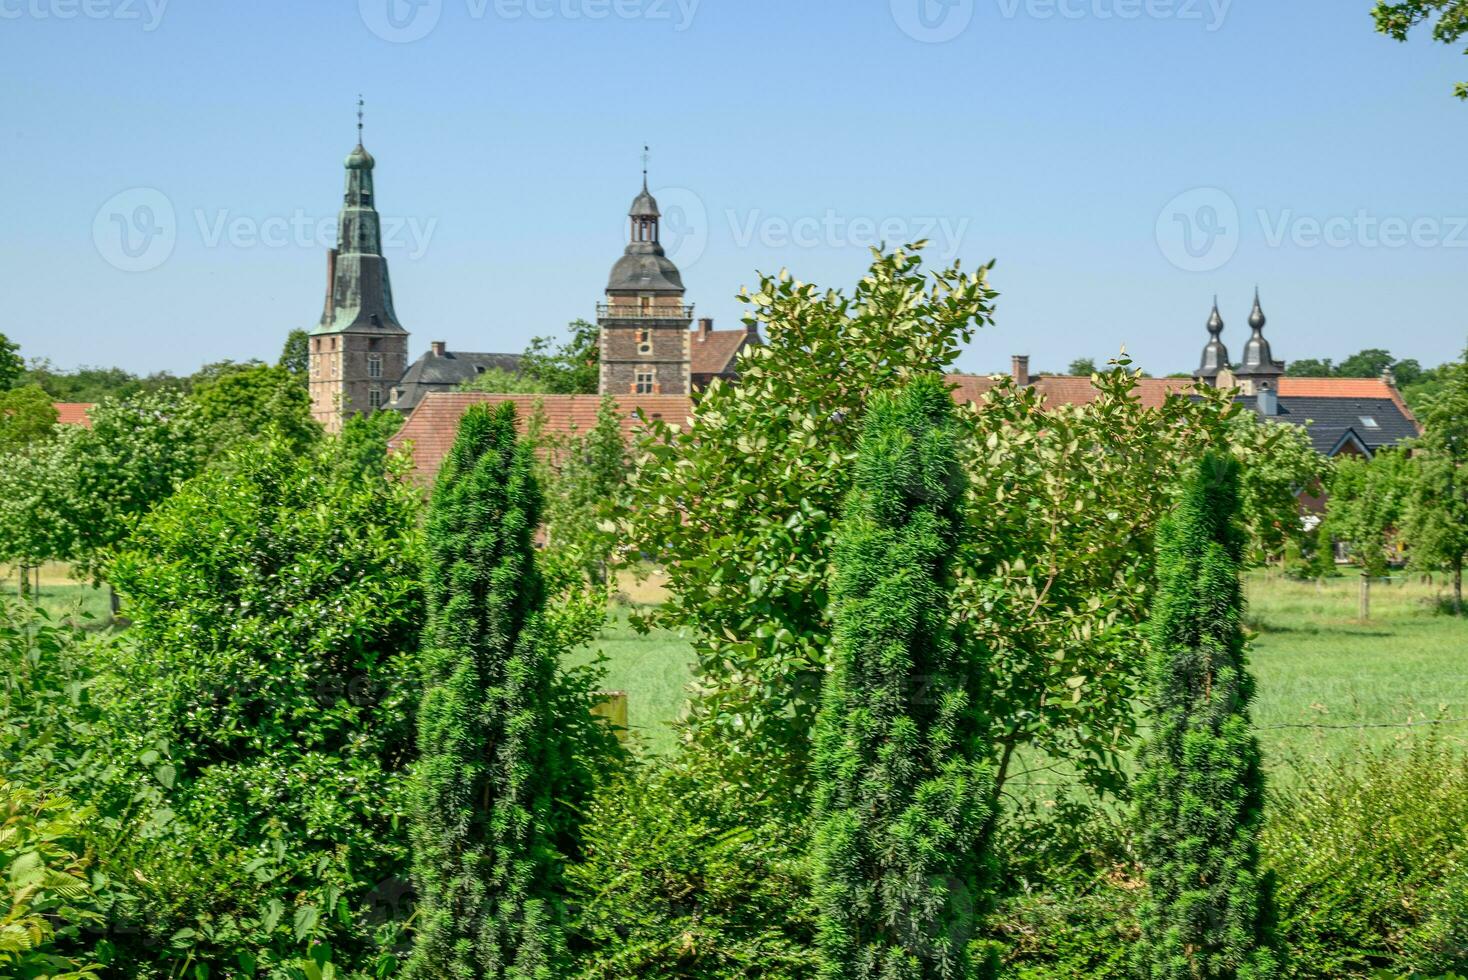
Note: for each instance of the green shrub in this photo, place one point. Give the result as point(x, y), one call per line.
point(46, 897)
point(1372, 862)
point(681, 879)
point(258, 714)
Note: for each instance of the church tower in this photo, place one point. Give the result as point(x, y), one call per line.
point(1258, 370)
point(644, 323)
point(1215, 354)
point(358, 350)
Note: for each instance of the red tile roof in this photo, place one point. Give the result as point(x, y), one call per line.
point(431, 427)
point(714, 352)
point(1067, 390)
point(73, 413)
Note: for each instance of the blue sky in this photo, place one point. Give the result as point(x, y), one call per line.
point(1123, 160)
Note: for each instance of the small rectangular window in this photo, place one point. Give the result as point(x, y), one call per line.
point(1370, 422)
point(644, 381)
point(374, 398)
point(374, 365)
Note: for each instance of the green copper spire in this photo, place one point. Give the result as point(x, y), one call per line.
point(361, 291)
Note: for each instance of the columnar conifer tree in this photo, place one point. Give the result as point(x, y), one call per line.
point(485, 866)
point(901, 750)
point(1200, 796)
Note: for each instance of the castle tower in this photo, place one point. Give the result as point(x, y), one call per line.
point(1215, 354)
point(644, 323)
point(358, 350)
point(1258, 370)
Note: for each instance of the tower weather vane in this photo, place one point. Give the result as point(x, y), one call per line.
point(360, 104)
point(645, 155)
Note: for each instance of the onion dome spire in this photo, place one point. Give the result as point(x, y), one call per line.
point(1258, 360)
point(1215, 354)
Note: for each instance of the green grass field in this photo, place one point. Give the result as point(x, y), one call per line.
point(1327, 677)
point(1329, 685)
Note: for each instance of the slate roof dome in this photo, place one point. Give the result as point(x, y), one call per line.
point(647, 268)
point(360, 159)
point(644, 205)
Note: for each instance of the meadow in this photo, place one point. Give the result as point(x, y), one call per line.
point(1328, 684)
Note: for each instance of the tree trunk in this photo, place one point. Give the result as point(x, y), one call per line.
point(1365, 606)
point(113, 602)
point(1458, 588)
point(25, 580)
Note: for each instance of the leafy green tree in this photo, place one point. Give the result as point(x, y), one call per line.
point(587, 483)
point(741, 508)
point(1397, 19)
point(485, 863)
point(1370, 363)
point(260, 712)
point(1082, 367)
point(239, 402)
point(1309, 367)
point(1200, 795)
point(499, 381)
point(12, 368)
point(136, 453)
point(26, 415)
point(1436, 526)
point(36, 515)
point(1364, 512)
point(572, 367)
point(295, 355)
point(93, 384)
point(1279, 463)
point(902, 750)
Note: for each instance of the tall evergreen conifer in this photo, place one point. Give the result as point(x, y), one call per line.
point(1200, 796)
point(901, 747)
point(485, 865)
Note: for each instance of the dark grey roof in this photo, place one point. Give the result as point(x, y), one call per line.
point(1334, 421)
point(445, 372)
point(645, 268)
point(644, 205)
point(1215, 355)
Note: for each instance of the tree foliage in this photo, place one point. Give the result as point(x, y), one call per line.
point(1200, 796)
point(295, 355)
point(1397, 19)
point(12, 368)
point(585, 487)
point(1436, 523)
point(1367, 498)
point(259, 708)
point(239, 402)
point(741, 508)
point(904, 781)
point(1279, 463)
point(572, 367)
point(26, 416)
point(485, 862)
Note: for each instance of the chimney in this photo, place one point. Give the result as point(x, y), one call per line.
point(1267, 399)
point(705, 324)
point(330, 284)
point(1389, 376)
point(438, 347)
point(1019, 369)
point(751, 327)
